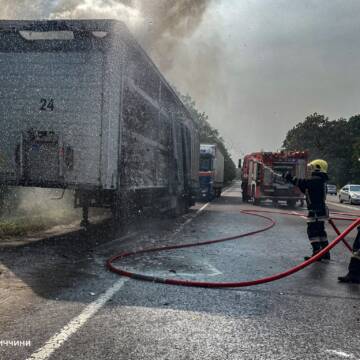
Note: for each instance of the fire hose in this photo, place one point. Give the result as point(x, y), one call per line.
point(205, 284)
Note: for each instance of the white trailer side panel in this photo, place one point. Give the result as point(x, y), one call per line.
point(73, 82)
point(113, 75)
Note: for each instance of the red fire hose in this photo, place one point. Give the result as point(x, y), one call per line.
point(355, 223)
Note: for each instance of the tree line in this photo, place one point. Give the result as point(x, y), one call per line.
point(209, 135)
point(336, 141)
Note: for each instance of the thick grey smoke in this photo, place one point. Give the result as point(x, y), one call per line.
point(256, 67)
point(163, 27)
point(159, 25)
point(24, 9)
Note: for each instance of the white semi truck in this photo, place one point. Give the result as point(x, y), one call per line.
point(83, 107)
point(211, 174)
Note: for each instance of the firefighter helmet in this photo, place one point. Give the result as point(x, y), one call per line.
point(318, 165)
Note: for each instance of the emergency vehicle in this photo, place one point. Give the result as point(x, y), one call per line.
point(261, 180)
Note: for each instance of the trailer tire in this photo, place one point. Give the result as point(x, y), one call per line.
point(245, 197)
point(291, 203)
point(118, 216)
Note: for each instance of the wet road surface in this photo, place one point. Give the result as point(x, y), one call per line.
point(57, 294)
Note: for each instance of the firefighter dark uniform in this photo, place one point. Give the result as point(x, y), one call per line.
point(314, 189)
point(353, 276)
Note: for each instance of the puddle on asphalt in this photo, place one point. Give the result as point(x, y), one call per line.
point(166, 265)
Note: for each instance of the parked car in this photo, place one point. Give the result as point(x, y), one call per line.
point(350, 193)
point(331, 189)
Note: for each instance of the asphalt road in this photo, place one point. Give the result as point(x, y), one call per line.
point(334, 199)
point(56, 294)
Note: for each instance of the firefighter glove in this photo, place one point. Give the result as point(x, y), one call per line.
point(287, 176)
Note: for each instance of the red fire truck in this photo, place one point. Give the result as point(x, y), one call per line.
point(259, 179)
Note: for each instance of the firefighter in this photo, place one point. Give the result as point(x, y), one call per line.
point(353, 275)
point(314, 188)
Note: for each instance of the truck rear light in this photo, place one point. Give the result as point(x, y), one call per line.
point(47, 35)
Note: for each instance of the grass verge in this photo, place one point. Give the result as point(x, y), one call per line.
point(21, 227)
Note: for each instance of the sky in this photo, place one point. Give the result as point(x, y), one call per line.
point(276, 63)
point(256, 67)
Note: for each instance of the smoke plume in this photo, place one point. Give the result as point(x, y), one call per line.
point(159, 25)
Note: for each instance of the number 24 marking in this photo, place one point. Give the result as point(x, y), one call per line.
point(47, 104)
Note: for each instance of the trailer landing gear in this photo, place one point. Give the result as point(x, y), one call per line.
point(291, 203)
point(85, 217)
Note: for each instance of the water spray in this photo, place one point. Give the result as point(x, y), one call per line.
point(276, 174)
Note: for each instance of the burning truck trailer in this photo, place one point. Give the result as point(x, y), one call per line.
point(83, 107)
point(261, 181)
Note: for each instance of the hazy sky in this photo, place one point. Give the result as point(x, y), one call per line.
point(273, 63)
point(255, 67)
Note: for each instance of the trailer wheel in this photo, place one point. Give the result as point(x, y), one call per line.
point(85, 223)
point(119, 210)
point(218, 192)
point(291, 203)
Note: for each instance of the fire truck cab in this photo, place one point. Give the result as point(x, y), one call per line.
point(259, 181)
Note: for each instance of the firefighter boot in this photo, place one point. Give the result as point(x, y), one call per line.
point(317, 247)
point(323, 245)
point(353, 276)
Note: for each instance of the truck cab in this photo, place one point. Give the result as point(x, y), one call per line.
point(211, 171)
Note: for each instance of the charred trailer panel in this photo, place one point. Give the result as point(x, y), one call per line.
point(83, 107)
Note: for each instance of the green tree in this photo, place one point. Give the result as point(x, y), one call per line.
point(335, 141)
point(308, 135)
point(210, 135)
point(355, 169)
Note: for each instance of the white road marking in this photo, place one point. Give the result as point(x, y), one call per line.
point(75, 324)
point(203, 207)
point(176, 231)
point(341, 354)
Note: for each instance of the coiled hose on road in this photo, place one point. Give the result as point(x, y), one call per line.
point(206, 284)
